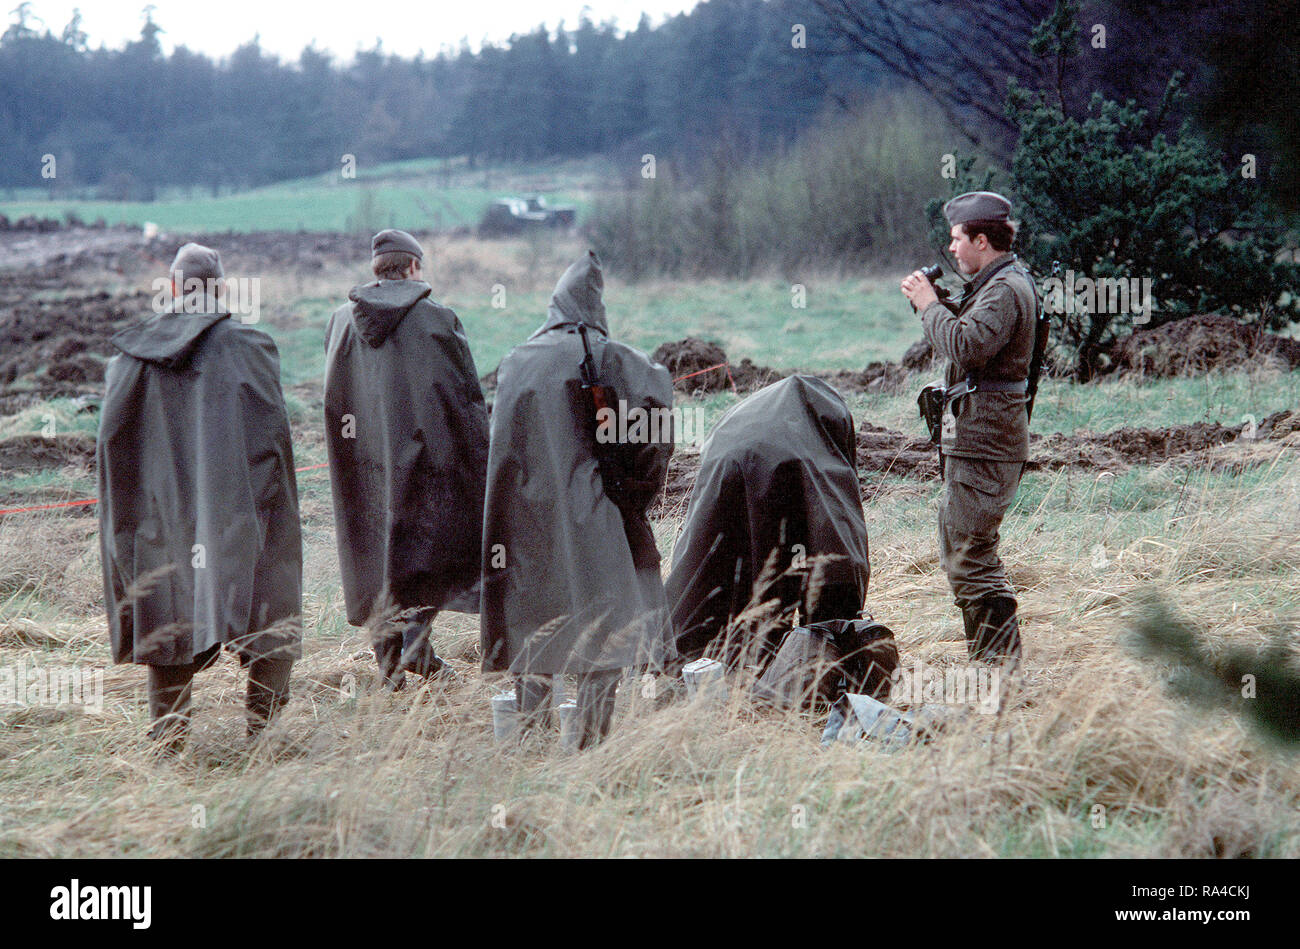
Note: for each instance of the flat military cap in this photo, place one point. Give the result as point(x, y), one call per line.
point(394, 241)
point(976, 206)
point(196, 261)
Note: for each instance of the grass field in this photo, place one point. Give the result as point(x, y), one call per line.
point(1090, 756)
point(422, 194)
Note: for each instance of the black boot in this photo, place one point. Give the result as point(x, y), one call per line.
point(417, 652)
point(169, 706)
point(596, 706)
point(970, 621)
point(268, 691)
point(533, 701)
point(387, 643)
point(997, 630)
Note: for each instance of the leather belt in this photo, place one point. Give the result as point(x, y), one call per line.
point(973, 384)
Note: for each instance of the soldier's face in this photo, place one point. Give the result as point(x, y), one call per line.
point(967, 254)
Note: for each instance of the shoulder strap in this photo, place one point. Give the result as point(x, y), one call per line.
point(975, 286)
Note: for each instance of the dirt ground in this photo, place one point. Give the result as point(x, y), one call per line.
point(699, 367)
point(55, 330)
point(56, 319)
point(882, 451)
point(121, 249)
point(1199, 344)
point(51, 348)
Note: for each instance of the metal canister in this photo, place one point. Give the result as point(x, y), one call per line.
point(570, 725)
point(505, 716)
point(706, 678)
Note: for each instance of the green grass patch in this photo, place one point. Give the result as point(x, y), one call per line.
point(421, 194)
point(1227, 398)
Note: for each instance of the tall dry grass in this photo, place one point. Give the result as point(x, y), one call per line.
point(1088, 756)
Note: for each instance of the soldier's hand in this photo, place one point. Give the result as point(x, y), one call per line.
point(918, 290)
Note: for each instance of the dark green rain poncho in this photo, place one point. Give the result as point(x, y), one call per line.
point(778, 486)
point(198, 507)
point(571, 583)
point(406, 428)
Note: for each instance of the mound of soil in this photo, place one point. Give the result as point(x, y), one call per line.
point(1126, 446)
point(919, 356)
point(897, 453)
point(696, 365)
point(884, 451)
point(751, 378)
point(54, 348)
point(1196, 345)
point(1278, 425)
point(41, 225)
point(877, 377)
point(36, 452)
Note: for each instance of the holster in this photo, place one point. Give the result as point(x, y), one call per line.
point(931, 401)
point(934, 398)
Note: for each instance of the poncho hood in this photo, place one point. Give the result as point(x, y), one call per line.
point(578, 297)
point(379, 307)
point(169, 339)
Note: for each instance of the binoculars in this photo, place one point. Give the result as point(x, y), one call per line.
point(933, 273)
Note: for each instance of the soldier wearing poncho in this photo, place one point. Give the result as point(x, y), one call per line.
point(406, 429)
point(198, 507)
point(988, 340)
point(775, 515)
point(571, 578)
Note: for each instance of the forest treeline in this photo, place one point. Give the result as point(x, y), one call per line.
point(757, 73)
point(130, 120)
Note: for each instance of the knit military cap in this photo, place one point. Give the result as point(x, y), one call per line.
point(977, 206)
point(395, 241)
point(196, 261)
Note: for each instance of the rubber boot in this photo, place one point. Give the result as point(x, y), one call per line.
point(970, 621)
point(997, 636)
point(417, 652)
point(596, 706)
point(387, 643)
point(170, 693)
point(533, 700)
point(268, 691)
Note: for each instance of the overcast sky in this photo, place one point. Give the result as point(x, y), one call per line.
point(216, 27)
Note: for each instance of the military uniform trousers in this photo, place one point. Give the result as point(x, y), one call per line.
point(976, 496)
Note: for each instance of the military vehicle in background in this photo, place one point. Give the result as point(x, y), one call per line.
point(517, 215)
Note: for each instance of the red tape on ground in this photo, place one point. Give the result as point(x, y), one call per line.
point(721, 365)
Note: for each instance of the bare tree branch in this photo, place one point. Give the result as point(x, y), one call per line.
point(960, 54)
